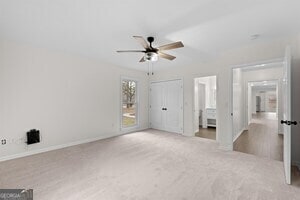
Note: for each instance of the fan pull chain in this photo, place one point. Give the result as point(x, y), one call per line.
point(152, 68)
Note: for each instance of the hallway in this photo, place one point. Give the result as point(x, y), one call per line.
point(262, 138)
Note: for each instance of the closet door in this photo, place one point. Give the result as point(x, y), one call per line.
point(173, 113)
point(166, 106)
point(156, 105)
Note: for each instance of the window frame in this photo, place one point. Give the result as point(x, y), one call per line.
point(137, 114)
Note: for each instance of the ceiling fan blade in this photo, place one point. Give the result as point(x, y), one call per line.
point(142, 59)
point(131, 51)
point(142, 41)
point(166, 56)
point(174, 45)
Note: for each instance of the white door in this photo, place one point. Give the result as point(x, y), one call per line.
point(249, 108)
point(156, 106)
point(202, 102)
point(196, 106)
point(174, 106)
point(286, 93)
point(166, 106)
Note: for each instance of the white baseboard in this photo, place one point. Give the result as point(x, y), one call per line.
point(51, 148)
point(226, 147)
point(238, 135)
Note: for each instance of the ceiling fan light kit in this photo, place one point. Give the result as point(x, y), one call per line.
point(152, 54)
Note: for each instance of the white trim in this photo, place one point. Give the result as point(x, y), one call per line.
point(166, 80)
point(238, 135)
point(60, 146)
point(226, 147)
point(272, 61)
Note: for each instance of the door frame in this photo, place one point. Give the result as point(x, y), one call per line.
point(254, 64)
point(149, 99)
point(193, 100)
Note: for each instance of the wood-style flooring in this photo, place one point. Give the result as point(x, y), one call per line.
point(261, 138)
point(209, 133)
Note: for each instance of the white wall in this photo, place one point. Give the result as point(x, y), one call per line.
point(197, 106)
point(221, 67)
point(238, 106)
point(267, 95)
point(69, 98)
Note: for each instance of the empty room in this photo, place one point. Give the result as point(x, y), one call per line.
point(123, 100)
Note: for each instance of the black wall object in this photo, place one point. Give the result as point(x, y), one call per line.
point(33, 136)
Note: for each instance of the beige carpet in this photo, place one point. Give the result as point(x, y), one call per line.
point(149, 165)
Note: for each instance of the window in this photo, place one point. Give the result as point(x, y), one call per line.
point(129, 103)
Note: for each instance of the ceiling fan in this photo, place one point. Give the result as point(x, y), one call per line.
point(152, 53)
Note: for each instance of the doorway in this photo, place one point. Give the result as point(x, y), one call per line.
point(262, 135)
point(238, 94)
point(205, 110)
point(256, 110)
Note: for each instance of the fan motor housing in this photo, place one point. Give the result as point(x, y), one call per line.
point(150, 39)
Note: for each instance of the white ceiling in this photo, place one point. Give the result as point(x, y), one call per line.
point(97, 28)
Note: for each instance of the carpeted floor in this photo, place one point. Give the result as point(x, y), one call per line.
point(148, 165)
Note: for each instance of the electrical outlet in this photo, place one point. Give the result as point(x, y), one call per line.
point(3, 141)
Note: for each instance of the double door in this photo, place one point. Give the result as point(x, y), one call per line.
point(166, 106)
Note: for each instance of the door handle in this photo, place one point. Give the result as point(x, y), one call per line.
point(294, 123)
point(288, 122)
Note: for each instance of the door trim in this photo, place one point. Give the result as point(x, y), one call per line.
point(253, 64)
point(193, 102)
point(137, 125)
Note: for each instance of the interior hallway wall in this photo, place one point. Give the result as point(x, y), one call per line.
point(238, 102)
